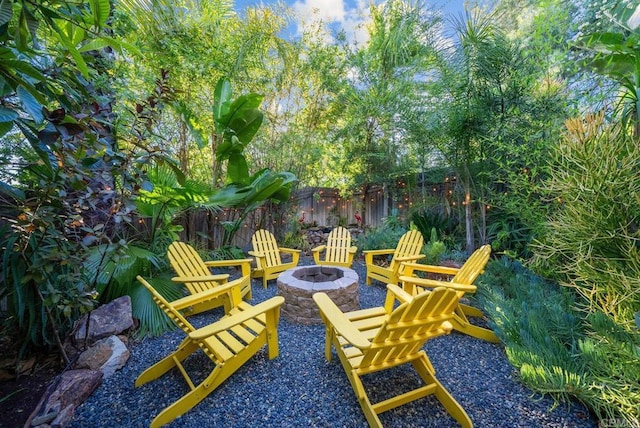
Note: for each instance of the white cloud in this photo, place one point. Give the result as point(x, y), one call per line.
point(337, 15)
point(355, 24)
point(326, 10)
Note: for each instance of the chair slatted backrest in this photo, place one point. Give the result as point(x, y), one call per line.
point(473, 267)
point(410, 244)
point(338, 245)
point(186, 261)
point(264, 242)
point(410, 325)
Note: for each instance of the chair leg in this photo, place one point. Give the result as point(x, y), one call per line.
point(219, 374)
point(329, 337)
point(454, 408)
point(191, 399)
point(363, 399)
point(471, 311)
point(462, 325)
point(186, 348)
point(271, 327)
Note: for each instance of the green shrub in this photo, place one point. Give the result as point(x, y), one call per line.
point(380, 238)
point(436, 217)
point(591, 241)
point(297, 240)
point(434, 249)
point(508, 233)
point(557, 350)
point(226, 253)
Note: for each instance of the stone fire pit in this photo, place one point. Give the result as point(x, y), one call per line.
point(297, 285)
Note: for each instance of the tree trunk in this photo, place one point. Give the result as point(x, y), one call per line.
point(468, 221)
point(363, 212)
point(483, 226)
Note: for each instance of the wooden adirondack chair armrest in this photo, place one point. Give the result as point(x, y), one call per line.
point(353, 249)
point(256, 254)
point(334, 316)
point(227, 288)
point(398, 293)
point(369, 254)
point(319, 249)
point(405, 259)
point(244, 264)
point(289, 250)
point(409, 268)
point(223, 277)
point(410, 282)
point(237, 318)
point(225, 263)
point(379, 252)
point(395, 293)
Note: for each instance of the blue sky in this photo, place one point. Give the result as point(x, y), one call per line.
point(345, 14)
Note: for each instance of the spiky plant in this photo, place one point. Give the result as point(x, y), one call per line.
point(557, 349)
point(592, 242)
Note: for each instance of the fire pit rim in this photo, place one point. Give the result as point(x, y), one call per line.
point(349, 277)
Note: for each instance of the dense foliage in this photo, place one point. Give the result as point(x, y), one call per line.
point(117, 118)
point(556, 348)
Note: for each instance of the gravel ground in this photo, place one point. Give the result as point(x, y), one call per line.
point(301, 389)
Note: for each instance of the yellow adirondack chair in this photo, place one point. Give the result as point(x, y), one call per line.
point(269, 264)
point(408, 250)
point(370, 340)
point(228, 342)
point(338, 251)
point(194, 273)
point(465, 275)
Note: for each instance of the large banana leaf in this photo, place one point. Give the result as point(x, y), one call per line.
point(265, 185)
point(237, 121)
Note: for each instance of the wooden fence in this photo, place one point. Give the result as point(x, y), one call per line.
point(307, 207)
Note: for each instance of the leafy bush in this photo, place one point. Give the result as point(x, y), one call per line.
point(393, 221)
point(297, 240)
point(508, 233)
point(593, 360)
point(380, 238)
point(591, 242)
point(434, 249)
point(436, 217)
point(226, 253)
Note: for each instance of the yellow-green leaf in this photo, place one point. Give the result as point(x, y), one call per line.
point(100, 10)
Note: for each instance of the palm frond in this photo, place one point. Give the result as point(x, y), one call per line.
point(153, 321)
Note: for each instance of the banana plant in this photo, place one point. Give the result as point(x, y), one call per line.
point(617, 56)
point(237, 122)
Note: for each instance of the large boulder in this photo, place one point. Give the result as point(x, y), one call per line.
point(107, 320)
point(106, 355)
point(58, 404)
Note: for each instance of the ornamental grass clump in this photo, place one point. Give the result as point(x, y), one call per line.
point(559, 349)
point(579, 338)
point(591, 242)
